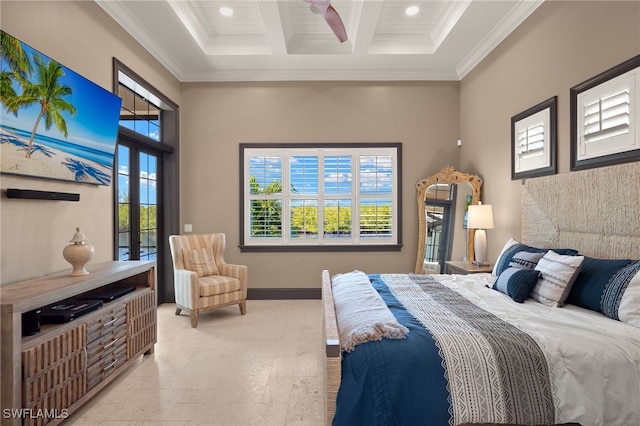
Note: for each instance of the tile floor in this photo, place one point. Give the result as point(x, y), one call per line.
point(263, 368)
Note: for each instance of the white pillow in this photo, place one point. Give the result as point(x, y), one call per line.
point(525, 260)
point(629, 310)
point(506, 246)
point(621, 298)
point(557, 274)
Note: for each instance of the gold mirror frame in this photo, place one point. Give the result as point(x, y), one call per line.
point(447, 175)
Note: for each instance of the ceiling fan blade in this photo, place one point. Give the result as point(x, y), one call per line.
point(331, 16)
point(335, 22)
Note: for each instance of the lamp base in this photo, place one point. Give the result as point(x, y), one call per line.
point(480, 246)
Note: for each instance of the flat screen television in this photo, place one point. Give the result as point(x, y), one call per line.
point(54, 123)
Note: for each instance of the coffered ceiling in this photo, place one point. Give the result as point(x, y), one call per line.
point(280, 40)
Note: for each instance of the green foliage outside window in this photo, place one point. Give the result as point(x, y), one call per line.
point(266, 216)
point(375, 219)
point(337, 220)
point(123, 217)
point(304, 221)
point(148, 217)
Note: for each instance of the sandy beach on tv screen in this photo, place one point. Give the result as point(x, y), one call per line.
point(45, 161)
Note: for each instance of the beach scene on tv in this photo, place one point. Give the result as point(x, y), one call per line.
point(54, 123)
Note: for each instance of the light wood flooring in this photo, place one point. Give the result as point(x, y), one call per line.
point(263, 368)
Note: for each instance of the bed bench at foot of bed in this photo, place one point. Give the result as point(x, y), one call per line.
point(333, 359)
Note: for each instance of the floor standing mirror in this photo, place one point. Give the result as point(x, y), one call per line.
point(442, 201)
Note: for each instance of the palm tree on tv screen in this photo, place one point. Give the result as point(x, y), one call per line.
point(49, 93)
point(18, 66)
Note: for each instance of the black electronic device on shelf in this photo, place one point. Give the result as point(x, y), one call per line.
point(107, 293)
point(68, 310)
point(31, 322)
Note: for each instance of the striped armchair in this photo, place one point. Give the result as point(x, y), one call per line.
point(202, 279)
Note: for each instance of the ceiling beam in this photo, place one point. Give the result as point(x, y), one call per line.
point(184, 11)
point(276, 29)
point(365, 20)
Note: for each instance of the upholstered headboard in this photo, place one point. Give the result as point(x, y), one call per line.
point(596, 211)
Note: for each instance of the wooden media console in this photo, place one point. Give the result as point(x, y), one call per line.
point(49, 375)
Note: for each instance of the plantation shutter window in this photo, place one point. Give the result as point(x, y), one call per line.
point(533, 141)
point(376, 204)
point(303, 210)
point(608, 116)
point(331, 196)
point(266, 200)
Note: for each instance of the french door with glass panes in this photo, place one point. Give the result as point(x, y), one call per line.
point(138, 200)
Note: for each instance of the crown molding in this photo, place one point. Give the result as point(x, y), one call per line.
point(516, 16)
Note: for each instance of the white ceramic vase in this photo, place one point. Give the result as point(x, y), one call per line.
point(78, 254)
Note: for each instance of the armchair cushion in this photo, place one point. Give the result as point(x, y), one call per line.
point(218, 284)
point(201, 261)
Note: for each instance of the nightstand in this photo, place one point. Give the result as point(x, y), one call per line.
point(464, 268)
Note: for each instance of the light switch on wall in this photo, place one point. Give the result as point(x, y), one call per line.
point(188, 227)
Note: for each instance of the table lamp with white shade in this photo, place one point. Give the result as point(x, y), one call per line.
point(480, 217)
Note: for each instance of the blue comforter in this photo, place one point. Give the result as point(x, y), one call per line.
point(377, 386)
point(406, 381)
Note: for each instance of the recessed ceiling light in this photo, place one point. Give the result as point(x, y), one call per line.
point(226, 11)
point(412, 10)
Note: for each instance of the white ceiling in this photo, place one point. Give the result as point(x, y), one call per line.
point(284, 40)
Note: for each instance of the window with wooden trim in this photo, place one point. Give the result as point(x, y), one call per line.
point(320, 197)
point(141, 109)
point(533, 140)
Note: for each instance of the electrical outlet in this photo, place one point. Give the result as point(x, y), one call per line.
point(188, 227)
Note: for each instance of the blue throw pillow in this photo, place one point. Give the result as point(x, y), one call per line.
point(517, 283)
point(509, 252)
point(592, 280)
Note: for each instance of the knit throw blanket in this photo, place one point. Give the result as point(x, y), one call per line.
point(361, 313)
point(495, 371)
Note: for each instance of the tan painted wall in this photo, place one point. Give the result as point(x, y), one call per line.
point(81, 36)
point(544, 57)
point(217, 117)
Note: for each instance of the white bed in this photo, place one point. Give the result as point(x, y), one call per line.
point(583, 340)
point(594, 360)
